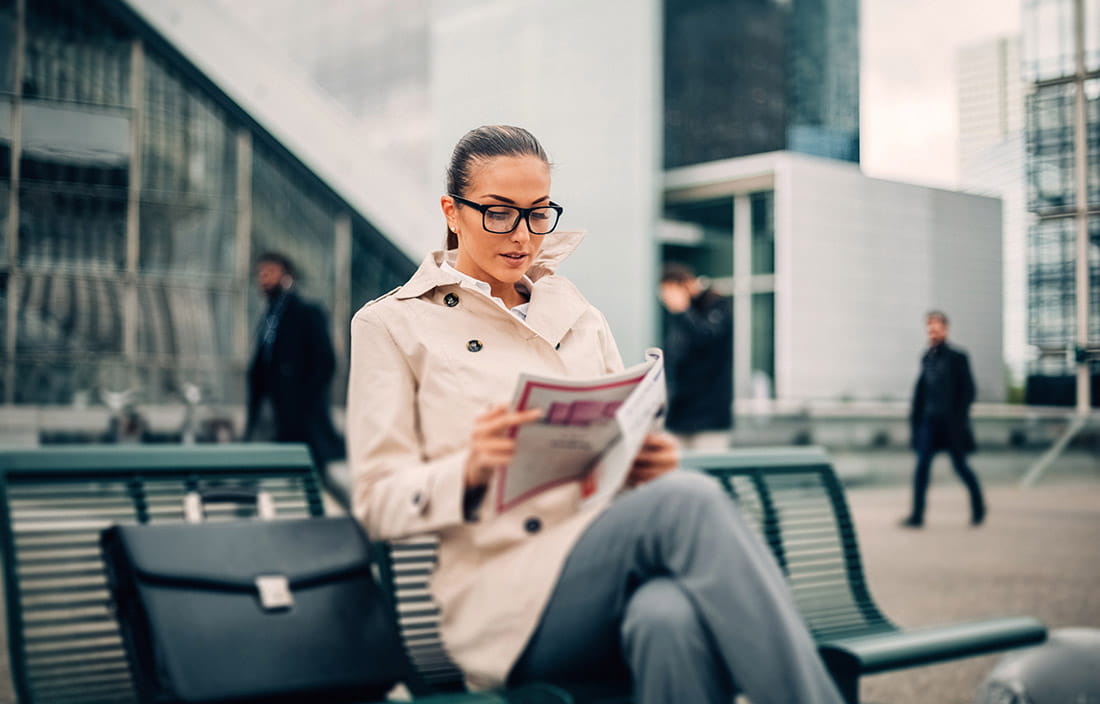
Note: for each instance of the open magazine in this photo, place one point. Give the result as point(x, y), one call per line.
point(590, 431)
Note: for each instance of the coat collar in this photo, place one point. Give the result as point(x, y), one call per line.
point(555, 302)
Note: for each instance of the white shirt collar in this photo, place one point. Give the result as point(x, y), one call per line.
point(519, 311)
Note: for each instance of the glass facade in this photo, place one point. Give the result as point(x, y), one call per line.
point(142, 196)
point(712, 254)
point(1052, 184)
point(1049, 38)
point(760, 75)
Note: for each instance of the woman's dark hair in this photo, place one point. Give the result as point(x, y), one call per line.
point(486, 142)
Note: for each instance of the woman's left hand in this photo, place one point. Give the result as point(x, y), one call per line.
point(659, 455)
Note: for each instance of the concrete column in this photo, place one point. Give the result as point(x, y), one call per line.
point(15, 277)
point(243, 236)
point(742, 296)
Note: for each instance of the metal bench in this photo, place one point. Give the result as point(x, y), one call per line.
point(63, 640)
point(796, 502)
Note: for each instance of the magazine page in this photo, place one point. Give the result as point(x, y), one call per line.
point(642, 413)
point(586, 433)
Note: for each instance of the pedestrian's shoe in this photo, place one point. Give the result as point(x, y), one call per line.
point(977, 517)
point(911, 522)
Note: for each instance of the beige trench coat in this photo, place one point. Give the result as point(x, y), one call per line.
point(417, 382)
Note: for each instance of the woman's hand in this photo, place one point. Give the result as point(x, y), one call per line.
point(491, 443)
point(659, 455)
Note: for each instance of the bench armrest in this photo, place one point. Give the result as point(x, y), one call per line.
point(919, 646)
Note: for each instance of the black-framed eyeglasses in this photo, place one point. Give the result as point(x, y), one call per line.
point(504, 219)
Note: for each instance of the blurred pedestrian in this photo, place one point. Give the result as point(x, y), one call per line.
point(292, 368)
point(939, 419)
point(698, 359)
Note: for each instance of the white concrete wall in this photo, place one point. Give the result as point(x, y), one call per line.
point(589, 89)
point(859, 262)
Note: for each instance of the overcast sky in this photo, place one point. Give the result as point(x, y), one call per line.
point(908, 120)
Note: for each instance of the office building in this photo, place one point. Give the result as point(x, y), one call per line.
point(1060, 201)
point(135, 191)
point(991, 162)
point(831, 273)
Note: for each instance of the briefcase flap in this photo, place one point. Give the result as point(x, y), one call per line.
point(233, 555)
point(252, 611)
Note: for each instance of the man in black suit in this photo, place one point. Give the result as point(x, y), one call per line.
point(698, 360)
point(940, 418)
point(292, 368)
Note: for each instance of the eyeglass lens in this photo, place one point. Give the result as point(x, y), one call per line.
point(503, 219)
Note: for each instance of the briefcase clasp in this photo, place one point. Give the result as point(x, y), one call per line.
point(274, 592)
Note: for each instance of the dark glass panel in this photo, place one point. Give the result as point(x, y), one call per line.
point(763, 232)
point(49, 379)
point(188, 207)
point(724, 92)
point(76, 52)
point(760, 75)
point(1051, 282)
point(292, 216)
point(376, 265)
point(763, 336)
point(5, 179)
point(74, 315)
point(1050, 144)
point(73, 187)
point(7, 47)
point(712, 254)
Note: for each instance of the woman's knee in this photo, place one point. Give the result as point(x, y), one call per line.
point(689, 486)
point(660, 612)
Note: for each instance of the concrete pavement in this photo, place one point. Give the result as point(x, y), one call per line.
point(1038, 554)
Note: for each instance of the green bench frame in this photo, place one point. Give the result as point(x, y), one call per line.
point(796, 502)
point(65, 648)
point(63, 640)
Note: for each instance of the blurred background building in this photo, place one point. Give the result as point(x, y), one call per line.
point(1061, 201)
point(723, 133)
point(990, 92)
point(134, 194)
point(626, 90)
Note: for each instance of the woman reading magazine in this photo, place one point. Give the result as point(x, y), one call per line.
point(665, 580)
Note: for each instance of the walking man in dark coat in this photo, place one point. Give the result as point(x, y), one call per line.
point(940, 418)
point(292, 368)
point(698, 360)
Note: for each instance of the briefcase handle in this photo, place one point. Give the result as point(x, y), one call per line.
point(194, 501)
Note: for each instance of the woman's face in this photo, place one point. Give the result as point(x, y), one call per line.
point(499, 260)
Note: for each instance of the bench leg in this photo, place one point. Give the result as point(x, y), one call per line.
point(848, 684)
point(844, 668)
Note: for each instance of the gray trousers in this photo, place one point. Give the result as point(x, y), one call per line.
point(671, 584)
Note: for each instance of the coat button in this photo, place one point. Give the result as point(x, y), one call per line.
point(474, 345)
point(532, 524)
point(557, 346)
point(451, 300)
point(416, 499)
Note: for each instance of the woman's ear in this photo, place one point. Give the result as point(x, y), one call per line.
point(450, 212)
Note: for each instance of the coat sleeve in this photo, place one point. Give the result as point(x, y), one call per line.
point(396, 493)
point(967, 388)
point(320, 358)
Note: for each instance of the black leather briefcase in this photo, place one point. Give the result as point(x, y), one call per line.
point(247, 611)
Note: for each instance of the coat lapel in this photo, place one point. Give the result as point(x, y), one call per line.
point(556, 304)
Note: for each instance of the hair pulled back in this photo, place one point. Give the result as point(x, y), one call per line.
point(482, 143)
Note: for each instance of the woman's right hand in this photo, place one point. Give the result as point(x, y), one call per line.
point(492, 444)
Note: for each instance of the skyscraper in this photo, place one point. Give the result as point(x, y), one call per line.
point(991, 162)
point(756, 76)
point(1063, 191)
